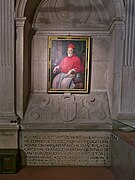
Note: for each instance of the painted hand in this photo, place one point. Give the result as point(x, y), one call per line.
point(70, 72)
point(56, 69)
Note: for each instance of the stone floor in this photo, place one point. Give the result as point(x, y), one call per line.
point(60, 173)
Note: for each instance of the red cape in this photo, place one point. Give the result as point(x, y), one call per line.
point(69, 63)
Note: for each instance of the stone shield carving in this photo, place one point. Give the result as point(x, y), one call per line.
point(46, 108)
point(68, 108)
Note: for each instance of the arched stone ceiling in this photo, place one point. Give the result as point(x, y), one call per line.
point(26, 8)
point(30, 9)
point(70, 11)
point(63, 13)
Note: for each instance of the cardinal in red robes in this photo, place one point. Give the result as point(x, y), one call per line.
point(71, 64)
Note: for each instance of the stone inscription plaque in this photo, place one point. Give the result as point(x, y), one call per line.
point(67, 149)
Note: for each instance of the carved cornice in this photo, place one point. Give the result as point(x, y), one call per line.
point(81, 31)
point(20, 22)
point(116, 22)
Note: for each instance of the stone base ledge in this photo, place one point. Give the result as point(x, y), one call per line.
point(7, 118)
point(12, 126)
point(66, 126)
point(9, 136)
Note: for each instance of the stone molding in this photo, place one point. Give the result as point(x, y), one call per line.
point(20, 22)
point(116, 22)
point(20, 8)
point(11, 126)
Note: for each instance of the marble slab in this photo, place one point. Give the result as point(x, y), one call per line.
point(66, 148)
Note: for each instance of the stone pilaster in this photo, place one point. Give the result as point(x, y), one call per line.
point(20, 22)
point(115, 65)
point(130, 34)
point(7, 65)
point(128, 78)
point(8, 125)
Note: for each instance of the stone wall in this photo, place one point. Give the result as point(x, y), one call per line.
point(23, 70)
point(123, 155)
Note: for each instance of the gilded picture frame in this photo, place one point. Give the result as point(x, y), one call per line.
point(68, 64)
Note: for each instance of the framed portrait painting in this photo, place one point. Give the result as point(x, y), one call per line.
point(68, 64)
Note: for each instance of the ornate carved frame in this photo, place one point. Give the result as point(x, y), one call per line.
point(57, 49)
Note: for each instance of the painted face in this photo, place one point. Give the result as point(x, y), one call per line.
point(70, 52)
